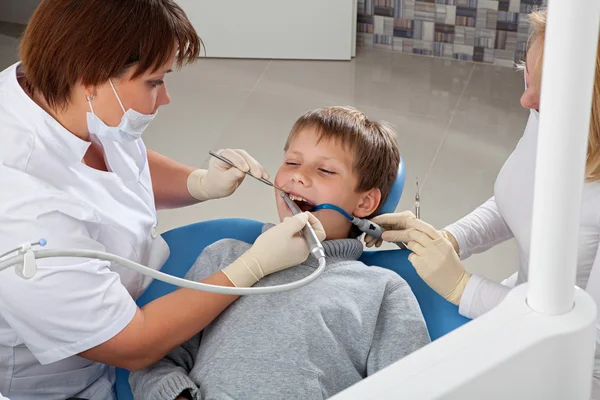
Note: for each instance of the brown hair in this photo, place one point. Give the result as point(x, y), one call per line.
point(89, 41)
point(592, 166)
point(376, 154)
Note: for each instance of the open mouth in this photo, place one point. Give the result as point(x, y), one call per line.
point(302, 203)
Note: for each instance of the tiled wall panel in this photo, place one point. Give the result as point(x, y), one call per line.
point(488, 31)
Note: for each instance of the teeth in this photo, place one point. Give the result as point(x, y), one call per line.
point(297, 198)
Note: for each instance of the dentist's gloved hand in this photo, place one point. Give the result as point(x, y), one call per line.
point(221, 179)
point(278, 248)
point(436, 261)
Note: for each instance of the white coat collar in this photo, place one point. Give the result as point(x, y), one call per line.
point(73, 147)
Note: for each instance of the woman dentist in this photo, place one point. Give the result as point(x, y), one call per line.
point(74, 170)
point(437, 254)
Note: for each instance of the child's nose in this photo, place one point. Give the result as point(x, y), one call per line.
point(300, 176)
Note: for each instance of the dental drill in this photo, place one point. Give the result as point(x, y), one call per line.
point(315, 246)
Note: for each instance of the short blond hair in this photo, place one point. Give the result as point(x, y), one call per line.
point(373, 144)
point(592, 166)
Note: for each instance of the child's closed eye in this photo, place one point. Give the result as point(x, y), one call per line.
point(326, 171)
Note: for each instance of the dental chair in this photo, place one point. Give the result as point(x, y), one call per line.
point(187, 242)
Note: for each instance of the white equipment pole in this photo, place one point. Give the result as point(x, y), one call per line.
point(567, 82)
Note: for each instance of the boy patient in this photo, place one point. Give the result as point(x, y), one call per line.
point(316, 341)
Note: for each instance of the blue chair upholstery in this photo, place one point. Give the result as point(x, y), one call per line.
point(395, 192)
point(186, 244)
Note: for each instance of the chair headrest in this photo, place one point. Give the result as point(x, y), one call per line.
point(396, 192)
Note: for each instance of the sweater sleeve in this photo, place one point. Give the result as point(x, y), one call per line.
point(480, 230)
point(400, 328)
point(169, 377)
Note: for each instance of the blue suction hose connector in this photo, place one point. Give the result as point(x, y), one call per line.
point(366, 226)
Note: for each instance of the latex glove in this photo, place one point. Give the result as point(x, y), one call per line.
point(278, 248)
point(436, 261)
point(221, 179)
point(397, 230)
point(395, 227)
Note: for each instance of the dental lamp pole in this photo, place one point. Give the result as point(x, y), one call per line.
point(566, 99)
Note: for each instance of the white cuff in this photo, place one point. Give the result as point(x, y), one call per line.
point(458, 234)
point(480, 296)
point(466, 300)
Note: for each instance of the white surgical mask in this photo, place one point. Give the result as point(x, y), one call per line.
point(131, 127)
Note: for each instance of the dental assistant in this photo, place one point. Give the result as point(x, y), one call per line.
point(437, 254)
point(74, 170)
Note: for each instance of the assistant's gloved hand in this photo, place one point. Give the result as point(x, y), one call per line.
point(436, 261)
point(278, 248)
point(395, 227)
point(397, 230)
point(221, 179)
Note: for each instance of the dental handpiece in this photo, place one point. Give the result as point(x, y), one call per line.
point(314, 244)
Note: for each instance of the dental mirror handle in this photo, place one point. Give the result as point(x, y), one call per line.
point(229, 162)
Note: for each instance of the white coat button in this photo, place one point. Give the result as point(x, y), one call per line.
point(154, 232)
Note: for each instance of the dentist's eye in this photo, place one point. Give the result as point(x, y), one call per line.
point(156, 83)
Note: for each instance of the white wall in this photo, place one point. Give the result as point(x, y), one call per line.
point(307, 29)
point(289, 29)
point(17, 11)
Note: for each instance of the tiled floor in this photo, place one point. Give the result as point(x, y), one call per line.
point(457, 123)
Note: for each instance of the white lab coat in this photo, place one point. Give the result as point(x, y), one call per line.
point(508, 214)
point(71, 305)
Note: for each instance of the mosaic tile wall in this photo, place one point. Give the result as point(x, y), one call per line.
point(489, 31)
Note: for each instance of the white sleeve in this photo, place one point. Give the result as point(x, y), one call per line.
point(71, 304)
point(480, 296)
point(593, 289)
point(480, 230)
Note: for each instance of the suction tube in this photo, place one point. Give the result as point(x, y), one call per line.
point(366, 226)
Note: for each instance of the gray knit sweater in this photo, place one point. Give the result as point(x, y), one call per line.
point(308, 343)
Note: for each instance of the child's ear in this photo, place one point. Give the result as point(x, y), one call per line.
point(368, 203)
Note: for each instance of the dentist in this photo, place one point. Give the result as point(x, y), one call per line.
point(74, 170)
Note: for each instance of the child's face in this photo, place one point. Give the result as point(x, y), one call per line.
point(322, 173)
